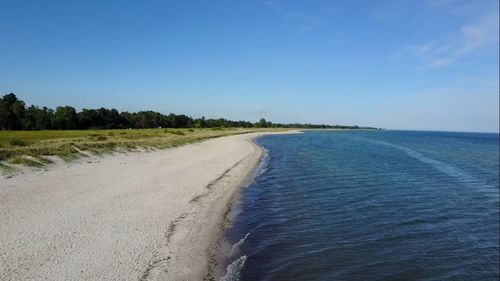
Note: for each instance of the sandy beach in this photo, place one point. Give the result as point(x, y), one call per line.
point(136, 216)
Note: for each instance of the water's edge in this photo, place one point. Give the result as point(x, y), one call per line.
point(220, 263)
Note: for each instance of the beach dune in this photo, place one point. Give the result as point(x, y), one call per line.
point(136, 216)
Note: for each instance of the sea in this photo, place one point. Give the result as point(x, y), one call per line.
point(368, 205)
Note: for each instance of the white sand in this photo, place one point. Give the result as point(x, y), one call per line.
point(136, 216)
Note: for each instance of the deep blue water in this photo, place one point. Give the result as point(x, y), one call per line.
point(370, 205)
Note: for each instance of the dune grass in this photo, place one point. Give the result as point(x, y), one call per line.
point(30, 148)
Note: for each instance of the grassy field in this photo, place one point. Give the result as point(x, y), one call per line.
point(31, 148)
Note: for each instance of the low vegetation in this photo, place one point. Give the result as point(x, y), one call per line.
point(31, 148)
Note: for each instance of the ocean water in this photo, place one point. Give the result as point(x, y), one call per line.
point(369, 205)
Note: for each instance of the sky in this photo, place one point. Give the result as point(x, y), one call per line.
point(395, 64)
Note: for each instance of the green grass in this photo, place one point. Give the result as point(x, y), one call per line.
point(179, 133)
point(16, 142)
point(68, 145)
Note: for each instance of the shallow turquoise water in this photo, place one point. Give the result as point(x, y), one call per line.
point(370, 205)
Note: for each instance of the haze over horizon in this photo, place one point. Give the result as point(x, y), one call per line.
point(396, 64)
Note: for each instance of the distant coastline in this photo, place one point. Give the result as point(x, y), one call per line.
point(15, 115)
point(32, 135)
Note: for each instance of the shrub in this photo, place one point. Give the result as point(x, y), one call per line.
point(179, 133)
point(100, 138)
point(16, 142)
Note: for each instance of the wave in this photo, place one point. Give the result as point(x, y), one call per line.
point(234, 269)
point(236, 249)
point(265, 163)
point(445, 168)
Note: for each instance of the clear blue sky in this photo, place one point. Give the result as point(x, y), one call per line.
point(421, 64)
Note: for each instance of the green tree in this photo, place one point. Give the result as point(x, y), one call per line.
point(12, 112)
point(65, 118)
point(43, 118)
point(263, 123)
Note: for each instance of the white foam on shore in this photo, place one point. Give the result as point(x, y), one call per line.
point(235, 250)
point(265, 162)
point(234, 270)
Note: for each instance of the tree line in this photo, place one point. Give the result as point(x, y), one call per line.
point(15, 115)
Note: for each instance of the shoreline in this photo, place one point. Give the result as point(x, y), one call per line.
point(148, 216)
point(205, 235)
point(212, 224)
